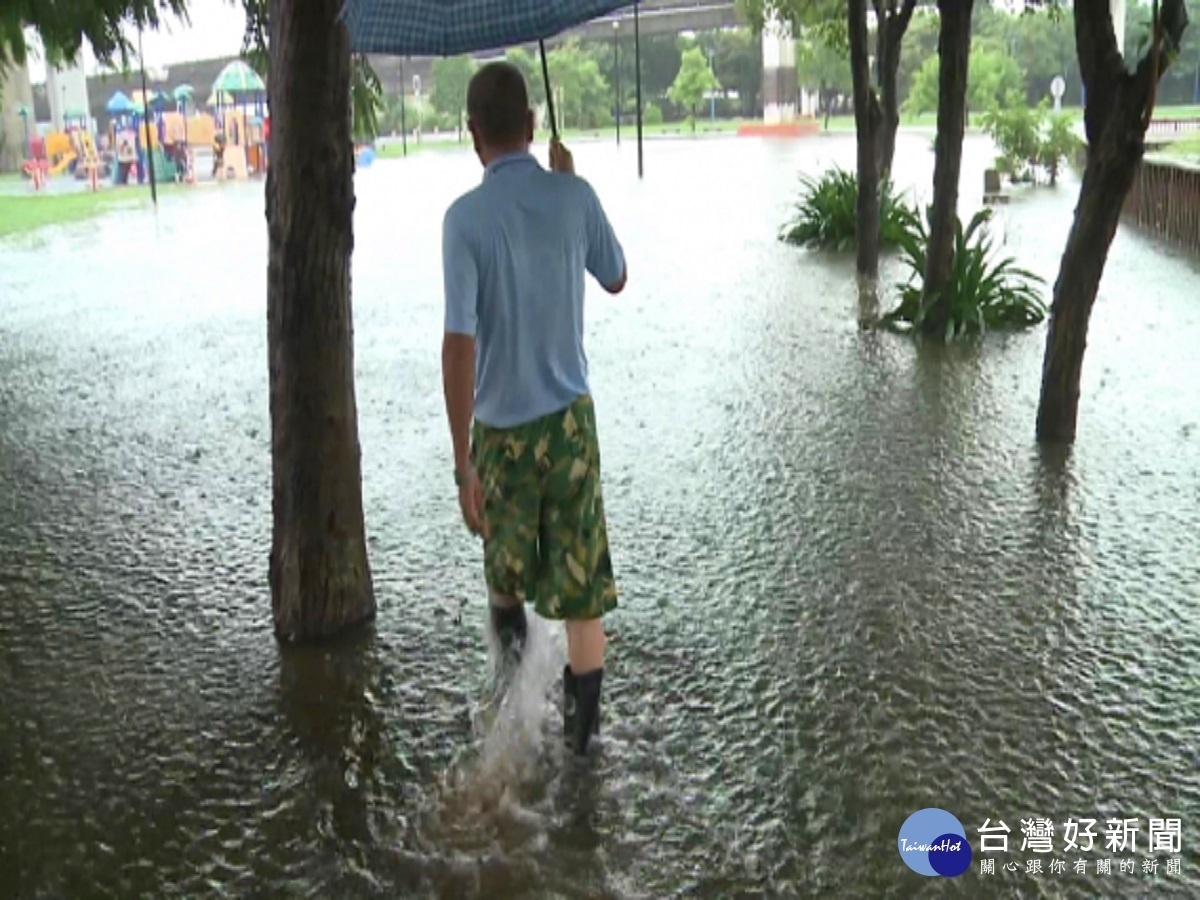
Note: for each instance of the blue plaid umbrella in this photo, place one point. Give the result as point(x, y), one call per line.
point(451, 27)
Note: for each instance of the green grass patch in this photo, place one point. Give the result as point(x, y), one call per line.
point(1176, 112)
point(846, 122)
point(20, 214)
point(1189, 148)
point(659, 129)
point(929, 120)
point(394, 148)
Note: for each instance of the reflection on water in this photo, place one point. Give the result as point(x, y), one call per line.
point(852, 585)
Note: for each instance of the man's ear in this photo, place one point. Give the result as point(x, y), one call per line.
point(475, 142)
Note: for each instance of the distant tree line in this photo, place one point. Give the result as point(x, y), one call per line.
point(586, 76)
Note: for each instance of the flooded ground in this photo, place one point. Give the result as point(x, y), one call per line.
point(852, 585)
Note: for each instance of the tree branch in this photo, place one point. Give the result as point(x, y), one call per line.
point(1100, 65)
point(1096, 43)
point(1169, 27)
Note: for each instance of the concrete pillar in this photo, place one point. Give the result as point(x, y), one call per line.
point(1118, 17)
point(15, 92)
point(66, 88)
point(780, 88)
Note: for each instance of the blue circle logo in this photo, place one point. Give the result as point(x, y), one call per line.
point(933, 842)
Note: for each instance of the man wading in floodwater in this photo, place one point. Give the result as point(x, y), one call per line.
point(514, 253)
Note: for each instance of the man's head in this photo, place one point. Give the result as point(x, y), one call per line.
point(498, 112)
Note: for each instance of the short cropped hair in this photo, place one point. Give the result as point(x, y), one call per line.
point(498, 103)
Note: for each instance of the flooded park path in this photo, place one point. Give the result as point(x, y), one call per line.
point(852, 585)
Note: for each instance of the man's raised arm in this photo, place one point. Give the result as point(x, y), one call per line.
point(605, 257)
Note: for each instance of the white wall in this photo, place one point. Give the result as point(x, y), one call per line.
point(66, 89)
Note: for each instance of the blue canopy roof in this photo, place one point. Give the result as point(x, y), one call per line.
point(451, 27)
point(118, 103)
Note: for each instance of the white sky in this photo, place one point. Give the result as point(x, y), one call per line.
point(215, 29)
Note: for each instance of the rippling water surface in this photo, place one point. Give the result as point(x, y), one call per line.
point(852, 585)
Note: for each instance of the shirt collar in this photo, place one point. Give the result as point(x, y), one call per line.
point(519, 157)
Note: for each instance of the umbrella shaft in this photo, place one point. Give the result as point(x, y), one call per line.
point(549, 93)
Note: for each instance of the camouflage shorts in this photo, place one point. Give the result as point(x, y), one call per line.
point(547, 542)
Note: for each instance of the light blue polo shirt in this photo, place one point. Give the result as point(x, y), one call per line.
point(514, 253)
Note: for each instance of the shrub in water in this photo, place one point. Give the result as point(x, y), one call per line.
point(827, 213)
point(984, 293)
point(1059, 143)
point(1030, 138)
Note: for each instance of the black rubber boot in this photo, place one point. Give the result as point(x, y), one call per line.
point(581, 707)
point(509, 625)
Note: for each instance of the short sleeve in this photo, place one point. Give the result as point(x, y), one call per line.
point(460, 278)
point(605, 258)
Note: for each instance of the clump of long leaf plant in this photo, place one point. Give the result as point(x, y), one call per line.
point(827, 213)
point(983, 292)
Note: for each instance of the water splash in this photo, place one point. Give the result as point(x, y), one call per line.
point(486, 802)
point(510, 726)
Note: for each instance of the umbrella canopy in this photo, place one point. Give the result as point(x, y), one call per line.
point(183, 92)
point(138, 101)
point(238, 78)
point(220, 98)
point(451, 27)
point(119, 104)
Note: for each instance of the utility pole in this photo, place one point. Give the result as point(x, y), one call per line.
point(146, 122)
point(617, 78)
point(637, 74)
point(403, 122)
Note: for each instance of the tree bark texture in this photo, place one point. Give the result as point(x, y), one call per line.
point(954, 51)
point(1116, 128)
point(888, 41)
point(320, 580)
point(867, 122)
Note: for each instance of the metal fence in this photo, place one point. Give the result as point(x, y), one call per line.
point(1165, 201)
point(1173, 127)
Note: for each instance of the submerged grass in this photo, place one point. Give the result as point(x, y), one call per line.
point(23, 213)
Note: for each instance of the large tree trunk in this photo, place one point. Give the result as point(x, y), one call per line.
point(954, 51)
point(320, 580)
point(866, 122)
point(1116, 120)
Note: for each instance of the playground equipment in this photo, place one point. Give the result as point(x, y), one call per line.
point(60, 153)
point(236, 91)
point(90, 166)
point(138, 147)
point(122, 137)
point(35, 170)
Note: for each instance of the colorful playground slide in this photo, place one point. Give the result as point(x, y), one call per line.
point(64, 163)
